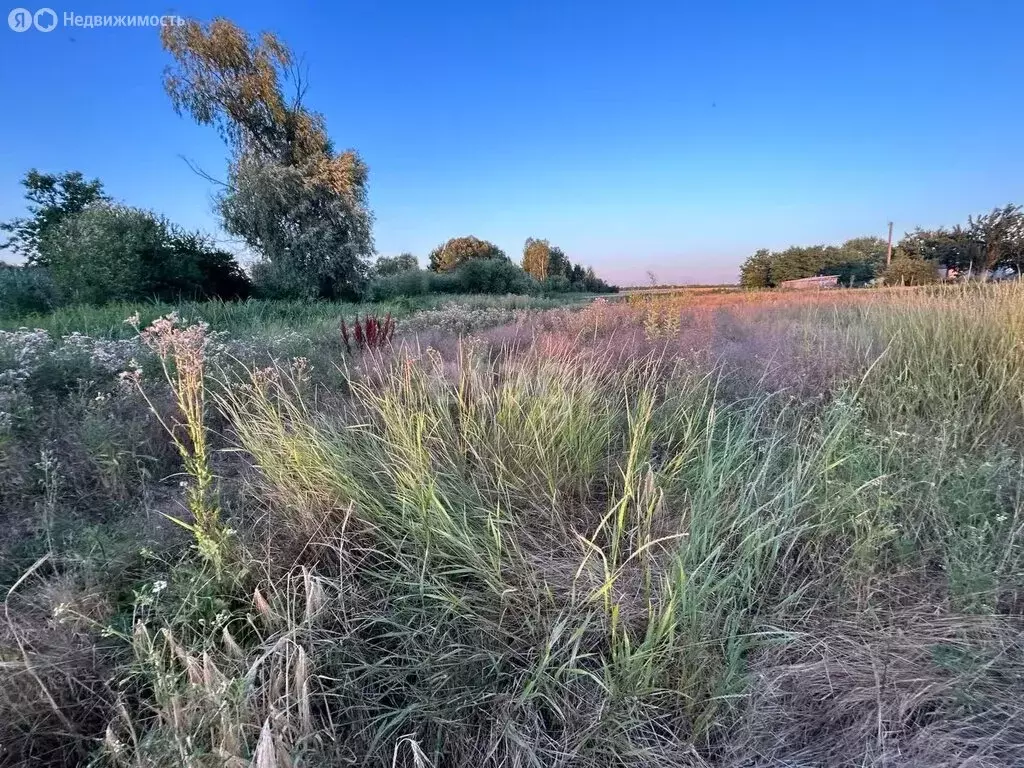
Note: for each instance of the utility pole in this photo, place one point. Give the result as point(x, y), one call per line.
point(888, 253)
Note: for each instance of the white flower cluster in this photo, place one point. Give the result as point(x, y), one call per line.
point(458, 318)
point(23, 351)
point(109, 355)
point(26, 354)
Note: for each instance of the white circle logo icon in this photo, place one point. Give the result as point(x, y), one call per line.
point(45, 19)
point(20, 19)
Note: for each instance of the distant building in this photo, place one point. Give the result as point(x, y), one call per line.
point(811, 283)
point(959, 275)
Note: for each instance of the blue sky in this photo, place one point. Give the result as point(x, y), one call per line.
point(676, 137)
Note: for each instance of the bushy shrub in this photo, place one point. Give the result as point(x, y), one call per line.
point(411, 282)
point(117, 253)
point(274, 280)
point(445, 282)
point(495, 276)
point(557, 284)
point(585, 282)
point(220, 274)
point(492, 276)
point(100, 254)
point(24, 290)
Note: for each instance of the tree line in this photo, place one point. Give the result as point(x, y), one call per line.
point(471, 265)
point(297, 203)
point(990, 243)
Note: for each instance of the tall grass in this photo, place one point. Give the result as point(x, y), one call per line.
point(568, 553)
point(567, 561)
point(260, 317)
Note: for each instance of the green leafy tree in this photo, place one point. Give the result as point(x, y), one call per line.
point(594, 284)
point(313, 239)
point(52, 198)
point(756, 271)
point(459, 250)
point(386, 266)
point(857, 261)
point(854, 272)
point(558, 263)
point(802, 261)
point(536, 256)
point(999, 238)
point(870, 249)
point(557, 284)
point(954, 247)
point(289, 196)
point(911, 270)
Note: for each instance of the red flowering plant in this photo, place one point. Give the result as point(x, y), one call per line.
point(372, 332)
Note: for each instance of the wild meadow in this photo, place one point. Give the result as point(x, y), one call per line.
point(718, 529)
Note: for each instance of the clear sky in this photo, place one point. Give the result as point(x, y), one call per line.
point(676, 136)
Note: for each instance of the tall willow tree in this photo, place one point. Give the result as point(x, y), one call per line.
point(289, 195)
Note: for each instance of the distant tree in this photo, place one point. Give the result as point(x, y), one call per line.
point(756, 271)
point(557, 284)
point(910, 270)
point(536, 258)
point(854, 272)
point(457, 251)
point(558, 263)
point(954, 247)
point(999, 236)
point(801, 261)
point(386, 266)
point(857, 261)
point(593, 284)
point(51, 199)
point(870, 249)
point(549, 266)
point(497, 276)
point(289, 195)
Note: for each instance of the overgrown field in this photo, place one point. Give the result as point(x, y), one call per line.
point(684, 530)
